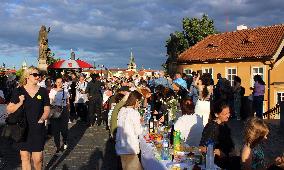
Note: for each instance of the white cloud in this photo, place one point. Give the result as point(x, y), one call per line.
point(106, 30)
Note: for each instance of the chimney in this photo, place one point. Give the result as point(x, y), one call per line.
point(242, 27)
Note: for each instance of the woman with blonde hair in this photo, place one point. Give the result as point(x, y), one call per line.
point(252, 153)
point(35, 102)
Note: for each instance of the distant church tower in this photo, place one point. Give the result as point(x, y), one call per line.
point(131, 65)
point(24, 65)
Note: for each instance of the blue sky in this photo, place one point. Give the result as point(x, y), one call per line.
point(104, 31)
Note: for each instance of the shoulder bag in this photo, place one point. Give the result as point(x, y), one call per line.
point(56, 111)
point(16, 126)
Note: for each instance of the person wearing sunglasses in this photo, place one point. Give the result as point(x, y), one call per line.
point(36, 106)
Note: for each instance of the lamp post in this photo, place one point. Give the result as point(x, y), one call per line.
point(101, 67)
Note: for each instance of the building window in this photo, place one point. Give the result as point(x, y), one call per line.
point(231, 73)
point(188, 71)
point(280, 97)
point(208, 70)
point(257, 71)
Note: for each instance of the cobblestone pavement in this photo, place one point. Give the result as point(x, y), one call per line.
point(89, 148)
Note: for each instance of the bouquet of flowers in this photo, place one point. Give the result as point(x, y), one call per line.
point(173, 108)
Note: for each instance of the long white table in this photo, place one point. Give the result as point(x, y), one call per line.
point(148, 159)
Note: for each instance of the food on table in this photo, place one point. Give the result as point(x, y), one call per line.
point(175, 168)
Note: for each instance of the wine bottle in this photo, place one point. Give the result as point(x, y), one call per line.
point(172, 134)
point(151, 125)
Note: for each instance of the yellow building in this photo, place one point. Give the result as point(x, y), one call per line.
point(245, 53)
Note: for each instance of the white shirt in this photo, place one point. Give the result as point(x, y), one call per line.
point(66, 85)
point(128, 131)
point(81, 98)
point(191, 127)
point(56, 97)
point(42, 84)
point(202, 108)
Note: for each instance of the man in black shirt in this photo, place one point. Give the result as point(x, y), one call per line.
point(95, 96)
point(72, 92)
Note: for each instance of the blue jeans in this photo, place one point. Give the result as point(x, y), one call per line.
point(258, 105)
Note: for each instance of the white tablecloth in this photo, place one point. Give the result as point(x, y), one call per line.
point(148, 159)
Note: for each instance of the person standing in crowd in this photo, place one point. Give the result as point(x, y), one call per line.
point(218, 87)
point(187, 80)
point(258, 95)
point(36, 106)
point(49, 84)
point(178, 80)
point(193, 90)
point(219, 132)
point(162, 80)
point(10, 85)
point(72, 92)
point(42, 80)
point(124, 90)
point(59, 96)
point(81, 98)
point(128, 130)
point(238, 95)
point(95, 96)
point(202, 107)
point(252, 155)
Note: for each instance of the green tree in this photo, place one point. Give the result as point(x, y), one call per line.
point(196, 29)
point(19, 72)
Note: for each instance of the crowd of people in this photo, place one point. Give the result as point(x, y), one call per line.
point(116, 102)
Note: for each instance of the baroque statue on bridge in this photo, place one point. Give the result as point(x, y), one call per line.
point(44, 52)
point(43, 42)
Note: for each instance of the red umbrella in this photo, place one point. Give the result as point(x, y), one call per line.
point(71, 64)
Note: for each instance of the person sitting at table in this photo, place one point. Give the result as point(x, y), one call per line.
point(219, 132)
point(252, 155)
point(128, 130)
point(189, 124)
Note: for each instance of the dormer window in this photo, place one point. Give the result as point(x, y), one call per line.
point(212, 45)
point(248, 40)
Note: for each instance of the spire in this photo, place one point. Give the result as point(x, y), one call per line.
point(132, 65)
point(24, 65)
point(132, 57)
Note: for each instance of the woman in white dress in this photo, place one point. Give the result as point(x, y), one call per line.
point(202, 107)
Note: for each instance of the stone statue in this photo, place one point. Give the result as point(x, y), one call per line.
point(43, 42)
point(44, 52)
point(72, 55)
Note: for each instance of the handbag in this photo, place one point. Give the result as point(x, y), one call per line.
point(16, 127)
point(56, 111)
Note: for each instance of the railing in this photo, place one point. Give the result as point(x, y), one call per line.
point(274, 112)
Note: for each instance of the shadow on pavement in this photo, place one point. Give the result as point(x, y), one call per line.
point(9, 156)
point(107, 160)
point(75, 133)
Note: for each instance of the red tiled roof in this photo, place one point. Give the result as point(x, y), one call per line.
point(117, 69)
point(254, 43)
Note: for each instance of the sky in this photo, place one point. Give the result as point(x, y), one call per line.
point(104, 31)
